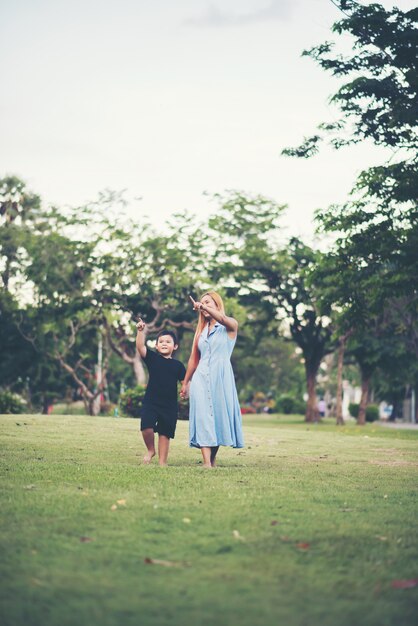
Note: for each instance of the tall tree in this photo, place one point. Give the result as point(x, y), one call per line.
point(379, 103)
point(272, 278)
point(373, 262)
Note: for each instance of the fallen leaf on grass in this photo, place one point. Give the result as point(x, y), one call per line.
point(113, 507)
point(121, 502)
point(186, 520)
point(86, 539)
point(237, 535)
point(381, 538)
point(274, 522)
point(405, 584)
point(149, 561)
point(29, 487)
point(303, 546)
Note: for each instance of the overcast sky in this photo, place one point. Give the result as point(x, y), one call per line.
point(168, 99)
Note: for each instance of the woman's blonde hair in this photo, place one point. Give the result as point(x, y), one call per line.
point(202, 321)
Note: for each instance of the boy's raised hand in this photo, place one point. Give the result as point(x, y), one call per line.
point(140, 325)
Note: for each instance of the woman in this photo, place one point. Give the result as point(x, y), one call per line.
point(215, 415)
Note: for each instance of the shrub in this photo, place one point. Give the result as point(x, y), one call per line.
point(131, 401)
point(353, 409)
point(11, 403)
point(288, 404)
point(108, 409)
point(372, 413)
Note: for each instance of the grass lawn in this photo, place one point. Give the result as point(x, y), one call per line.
point(305, 526)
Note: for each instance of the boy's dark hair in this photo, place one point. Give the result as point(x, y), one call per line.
point(168, 332)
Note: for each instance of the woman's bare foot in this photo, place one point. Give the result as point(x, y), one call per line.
point(148, 457)
point(207, 465)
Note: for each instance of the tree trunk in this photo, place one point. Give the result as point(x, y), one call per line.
point(45, 404)
point(139, 370)
point(365, 382)
point(339, 408)
point(94, 407)
point(312, 414)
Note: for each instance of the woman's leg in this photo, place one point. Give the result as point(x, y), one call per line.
point(206, 452)
point(213, 453)
point(163, 445)
point(148, 436)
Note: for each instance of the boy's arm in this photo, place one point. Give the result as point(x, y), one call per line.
point(191, 368)
point(140, 339)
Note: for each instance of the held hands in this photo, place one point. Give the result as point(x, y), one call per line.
point(184, 392)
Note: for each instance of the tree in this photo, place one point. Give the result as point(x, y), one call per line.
point(272, 279)
point(373, 262)
point(18, 207)
point(379, 226)
point(158, 273)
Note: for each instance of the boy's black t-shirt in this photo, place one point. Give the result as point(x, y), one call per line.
point(164, 375)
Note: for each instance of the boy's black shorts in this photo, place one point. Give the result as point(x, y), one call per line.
point(162, 422)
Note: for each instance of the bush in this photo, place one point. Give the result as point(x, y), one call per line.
point(131, 401)
point(288, 404)
point(11, 403)
point(353, 409)
point(109, 409)
point(372, 411)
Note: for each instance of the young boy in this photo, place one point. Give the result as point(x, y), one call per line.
point(159, 408)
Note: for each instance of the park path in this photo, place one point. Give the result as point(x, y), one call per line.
point(403, 425)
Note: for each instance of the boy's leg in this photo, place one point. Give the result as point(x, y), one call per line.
point(148, 436)
point(163, 446)
point(213, 453)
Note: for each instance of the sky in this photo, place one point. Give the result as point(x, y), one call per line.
point(170, 99)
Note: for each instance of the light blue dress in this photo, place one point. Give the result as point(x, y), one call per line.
point(215, 415)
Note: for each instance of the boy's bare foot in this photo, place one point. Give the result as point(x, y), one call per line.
point(163, 464)
point(148, 457)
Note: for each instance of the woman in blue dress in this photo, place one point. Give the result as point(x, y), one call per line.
point(215, 415)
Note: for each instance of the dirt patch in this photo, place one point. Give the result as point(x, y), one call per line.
point(393, 462)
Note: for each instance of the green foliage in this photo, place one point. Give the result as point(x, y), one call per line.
point(289, 405)
point(131, 401)
point(353, 409)
point(377, 230)
point(11, 403)
point(372, 266)
point(372, 411)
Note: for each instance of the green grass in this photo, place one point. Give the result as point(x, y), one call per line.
point(347, 495)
